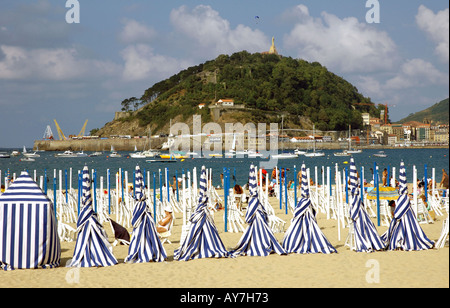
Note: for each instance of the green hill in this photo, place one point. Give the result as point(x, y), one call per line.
point(438, 113)
point(267, 85)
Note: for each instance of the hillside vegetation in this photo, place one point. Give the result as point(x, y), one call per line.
point(267, 85)
point(438, 113)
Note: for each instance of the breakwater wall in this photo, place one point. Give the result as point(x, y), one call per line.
point(98, 144)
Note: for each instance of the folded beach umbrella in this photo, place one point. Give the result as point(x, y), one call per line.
point(366, 235)
point(145, 244)
point(258, 238)
point(28, 228)
point(202, 239)
point(404, 231)
point(304, 234)
point(92, 247)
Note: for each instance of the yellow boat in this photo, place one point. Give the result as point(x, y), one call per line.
point(172, 156)
point(215, 155)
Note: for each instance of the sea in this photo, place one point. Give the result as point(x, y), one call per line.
point(424, 160)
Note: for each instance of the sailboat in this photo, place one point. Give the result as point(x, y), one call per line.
point(137, 154)
point(114, 153)
point(350, 150)
point(284, 155)
point(232, 152)
point(150, 152)
point(26, 154)
point(314, 153)
point(345, 152)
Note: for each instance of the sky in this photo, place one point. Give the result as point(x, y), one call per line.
point(395, 52)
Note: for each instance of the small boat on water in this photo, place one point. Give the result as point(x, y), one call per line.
point(66, 154)
point(27, 159)
point(343, 153)
point(354, 151)
point(284, 156)
point(4, 155)
point(15, 153)
point(314, 154)
point(34, 154)
point(81, 154)
point(115, 154)
point(172, 156)
point(137, 154)
point(299, 152)
point(380, 154)
point(215, 155)
point(95, 154)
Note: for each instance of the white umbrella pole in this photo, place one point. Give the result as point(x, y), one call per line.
point(328, 192)
point(433, 181)
point(414, 190)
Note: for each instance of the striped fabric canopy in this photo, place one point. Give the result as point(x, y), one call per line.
point(258, 238)
point(202, 239)
point(92, 247)
point(366, 235)
point(145, 244)
point(304, 234)
point(404, 231)
point(28, 227)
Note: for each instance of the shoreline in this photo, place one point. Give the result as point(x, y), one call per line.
point(92, 145)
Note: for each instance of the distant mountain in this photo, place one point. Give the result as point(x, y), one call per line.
point(266, 85)
point(438, 113)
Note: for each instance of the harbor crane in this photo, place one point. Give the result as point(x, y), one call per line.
point(60, 132)
point(63, 137)
point(385, 109)
point(81, 134)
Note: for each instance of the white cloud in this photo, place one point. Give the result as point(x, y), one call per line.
point(436, 26)
point(49, 64)
point(344, 44)
point(209, 34)
point(141, 63)
point(136, 32)
point(417, 73)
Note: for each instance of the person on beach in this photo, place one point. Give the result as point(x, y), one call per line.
point(384, 177)
point(444, 181)
point(163, 224)
point(392, 206)
point(237, 190)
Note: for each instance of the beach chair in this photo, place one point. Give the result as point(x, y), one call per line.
point(66, 232)
point(350, 241)
point(385, 213)
point(120, 234)
point(435, 203)
point(444, 237)
point(234, 216)
point(422, 213)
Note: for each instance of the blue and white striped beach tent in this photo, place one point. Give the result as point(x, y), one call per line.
point(304, 234)
point(365, 233)
point(28, 229)
point(258, 238)
point(202, 239)
point(145, 244)
point(404, 231)
point(92, 247)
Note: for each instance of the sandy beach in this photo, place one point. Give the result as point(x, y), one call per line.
point(393, 269)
